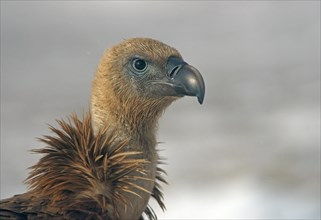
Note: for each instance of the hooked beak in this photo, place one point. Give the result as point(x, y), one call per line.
point(185, 79)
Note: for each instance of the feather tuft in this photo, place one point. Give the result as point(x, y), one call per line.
point(82, 175)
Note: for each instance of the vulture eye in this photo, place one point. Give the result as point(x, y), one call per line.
point(139, 65)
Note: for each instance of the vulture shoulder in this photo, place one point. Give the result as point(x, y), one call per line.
point(80, 176)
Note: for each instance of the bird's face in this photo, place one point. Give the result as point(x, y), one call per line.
point(153, 70)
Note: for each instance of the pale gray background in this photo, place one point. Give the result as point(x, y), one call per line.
point(251, 151)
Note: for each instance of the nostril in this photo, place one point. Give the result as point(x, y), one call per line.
point(174, 71)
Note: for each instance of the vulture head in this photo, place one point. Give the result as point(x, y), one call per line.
point(141, 77)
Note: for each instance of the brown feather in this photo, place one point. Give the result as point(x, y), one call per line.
point(80, 176)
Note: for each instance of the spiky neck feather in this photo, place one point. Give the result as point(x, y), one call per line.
point(88, 175)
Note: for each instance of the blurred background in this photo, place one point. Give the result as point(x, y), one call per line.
point(251, 151)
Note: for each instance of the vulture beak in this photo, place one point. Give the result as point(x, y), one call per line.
point(185, 79)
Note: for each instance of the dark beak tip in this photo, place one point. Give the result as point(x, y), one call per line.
point(200, 99)
point(200, 94)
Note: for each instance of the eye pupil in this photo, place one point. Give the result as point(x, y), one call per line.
point(139, 64)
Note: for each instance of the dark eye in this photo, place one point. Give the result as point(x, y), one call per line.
point(139, 65)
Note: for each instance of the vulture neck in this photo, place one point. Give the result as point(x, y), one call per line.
point(133, 120)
